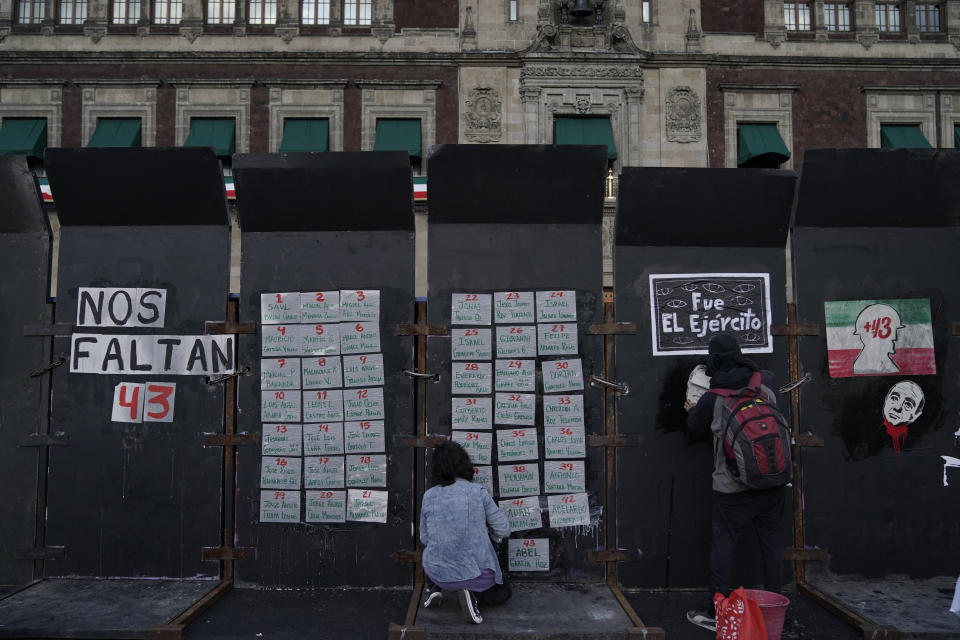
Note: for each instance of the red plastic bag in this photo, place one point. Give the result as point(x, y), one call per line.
point(739, 617)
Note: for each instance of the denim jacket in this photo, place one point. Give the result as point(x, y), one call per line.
point(453, 529)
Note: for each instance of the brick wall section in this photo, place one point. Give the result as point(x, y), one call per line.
point(732, 16)
point(447, 94)
point(72, 116)
point(426, 14)
point(829, 110)
point(259, 119)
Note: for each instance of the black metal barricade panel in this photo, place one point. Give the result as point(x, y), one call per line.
point(880, 276)
point(521, 220)
point(687, 242)
point(25, 259)
point(136, 493)
point(336, 243)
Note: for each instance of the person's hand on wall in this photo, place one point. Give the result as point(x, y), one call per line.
point(688, 405)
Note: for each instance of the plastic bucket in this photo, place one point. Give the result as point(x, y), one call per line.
point(773, 606)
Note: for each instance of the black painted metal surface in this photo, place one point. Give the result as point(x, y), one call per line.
point(25, 264)
point(664, 483)
point(489, 233)
point(878, 513)
point(129, 499)
point(322, 255)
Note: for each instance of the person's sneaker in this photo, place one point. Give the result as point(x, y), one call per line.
point(433, 597)
point(702, 619)
point(468, 607)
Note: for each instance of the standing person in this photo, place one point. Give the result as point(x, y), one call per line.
point(736, 506)
point(455, 518)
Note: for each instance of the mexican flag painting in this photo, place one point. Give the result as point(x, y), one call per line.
point(879, 338)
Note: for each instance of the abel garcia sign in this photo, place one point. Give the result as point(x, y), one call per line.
point(687, 309)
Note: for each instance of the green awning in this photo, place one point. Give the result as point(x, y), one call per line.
point(116, 132)
point(760, 145)
point(303, 134)
point(219, 133)
point(902, 136)
point(585, 131)
point(23, 137)
point(395, 134)
point(956, 136)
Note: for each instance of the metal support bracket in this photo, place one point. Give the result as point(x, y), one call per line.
point(417, 442)
point(620, 388)
point(228, 553)
point(422, 329)
point(36, 373)
point(612, 328)
point(802, 440)
point(40, 553)
point(407, 556)
point(416, 375)
point(217, 328)
point(613, 440)
point(795, 329)
point(397, 632)
point(230, 439)
point(646, 633)
point(242, 371)
point(47, 330)
point(58, 439)
point(806, 554)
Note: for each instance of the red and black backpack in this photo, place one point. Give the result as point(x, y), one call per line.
point(755, 436)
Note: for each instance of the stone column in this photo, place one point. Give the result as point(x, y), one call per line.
point(633, 153)
point(774, 30)
point(910, 22)
point(6, 18)
point(95, 26)
point(49, 17)
point(240, 18)
point(191, 22)
point(951, 15)
point(530, 96)
point(865, 22)
point(819, 21)
point(288, 19)
point(383, 25)
point(146, 17)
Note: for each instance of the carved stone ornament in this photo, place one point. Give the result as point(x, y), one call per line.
point(582, 71)
point(583, 105)
point(683, 115)
point(482, 114)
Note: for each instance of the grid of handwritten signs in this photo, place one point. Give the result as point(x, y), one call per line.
point(321, 386)
point(497, 343)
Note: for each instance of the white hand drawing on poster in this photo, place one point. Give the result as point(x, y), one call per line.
point(902, 406)
point(877, 327)
point(948, 462)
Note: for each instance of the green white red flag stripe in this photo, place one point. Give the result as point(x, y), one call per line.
point(419, 189)
point(879, 337)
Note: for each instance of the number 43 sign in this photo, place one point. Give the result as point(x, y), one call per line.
point(143, 402)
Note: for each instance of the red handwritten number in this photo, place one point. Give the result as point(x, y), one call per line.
point(279, 299)
point(513, 296)
point(363, 359)
point(880, 328)
point(516, 329)
point(283, 362)
point(364, 426)
point(558, 328)
point(471, 366)
point(319, 329)
point(367, 494)
point(471, 332)
point(515, 364)
point(358, 328)
point(326, 494)
point(518, 503)
point(361, 296)
point(365, 459)
point(519, 433)
point(564, 400)
point(514, 397)
point(471, 402)
point(279, 495)
point(282, 330)
point(568, 499)
point(473, 436)
point(519, 468)
point(161, 397)
point(281, 462)
point(134, 402)
point(322, 362)
point(324, 428)
point(562, 365)
point(279, 395)
point(566, 466)
point(323, 460)
point(529, 543)
point(281, 428)
point(556, 294)
point(471, 297)
point(361, 394)
point(321, 395)
point(566, 431)
point(320, 297)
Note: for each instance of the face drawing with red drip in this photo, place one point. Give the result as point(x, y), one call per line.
point(903, 404)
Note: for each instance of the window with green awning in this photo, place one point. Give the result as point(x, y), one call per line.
point(116, 132)
point(398, 134)
point(956, 136)
point(305, 134)
point(902, 136)
point(23, 137)
point(585, 131)
point(219, 133)
point(759, 145)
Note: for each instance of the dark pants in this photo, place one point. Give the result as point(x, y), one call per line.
point(732, 514)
